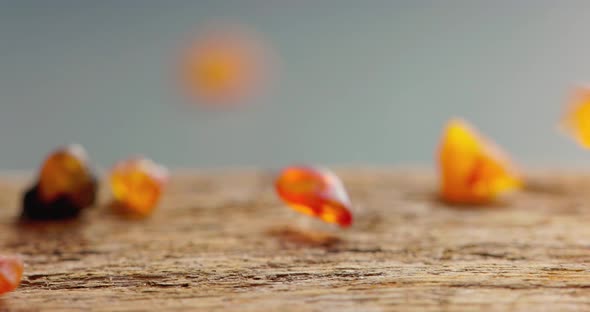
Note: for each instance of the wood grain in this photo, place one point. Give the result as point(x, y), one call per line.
point(223, 241)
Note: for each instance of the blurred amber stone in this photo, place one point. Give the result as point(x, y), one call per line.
point(66, 172)
point(225, 65)
point(11, 273)
point(137, 185)
point(472, 169)
point(315, 192)
point(576, 121)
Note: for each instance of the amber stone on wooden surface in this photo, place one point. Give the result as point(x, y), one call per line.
point(472, 169)
point(315, 192)
point(11, 273)
point(137, 185)
point(65, 186)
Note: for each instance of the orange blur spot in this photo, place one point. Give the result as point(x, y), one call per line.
point(137, 185)
point(225, 66)
point(66, 172)
point(576, 121)
point(472, 169)
point(315, 192)
point(11, 273)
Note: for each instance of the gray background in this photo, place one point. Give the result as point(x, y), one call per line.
point(361, 82)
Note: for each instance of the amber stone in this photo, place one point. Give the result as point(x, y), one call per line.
point(137, 185)
point(65, 186)
point(576, 120)
point(315, 192)
point(11, 273)
point(225, 65)
point(472, 169)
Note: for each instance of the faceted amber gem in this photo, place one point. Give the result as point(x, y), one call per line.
point(11, 272)
point(315, 192)
point(576, 121)
point(66, 185)
point(137, 185)
point(472, 169)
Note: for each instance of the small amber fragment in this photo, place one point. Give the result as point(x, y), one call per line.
point(66, 185)
point(315, 192)
point(137, 185)
point(65, 171)
point(576, 121)
point(11, 273)
point(472, 169)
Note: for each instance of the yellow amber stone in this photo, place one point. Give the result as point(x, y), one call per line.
point(66, 172)
point(576, 120)
point(472, 169)
point(217, 72)
point(137, 185)
point(315, 192)
point(11, 273)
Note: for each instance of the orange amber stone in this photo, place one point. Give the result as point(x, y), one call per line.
point(472, 169)
point(137, 185)
point(576, 121)
point(225, 65)
point(11, 272)
point(315, 192)
point(66, 172)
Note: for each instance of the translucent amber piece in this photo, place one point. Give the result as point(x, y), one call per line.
point(137, 185)
point(66, 172)
point(65, 186)
point(11, 272)
point(472, 169)
point(576, 121)
point(315, 192)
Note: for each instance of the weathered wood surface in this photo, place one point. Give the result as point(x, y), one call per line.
point(222, 241)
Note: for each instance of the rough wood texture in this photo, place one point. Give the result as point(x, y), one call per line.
point(222, 241)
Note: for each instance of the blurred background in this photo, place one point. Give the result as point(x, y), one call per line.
point(368, 82)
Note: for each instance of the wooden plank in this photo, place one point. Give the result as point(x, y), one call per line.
point(223, 241)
